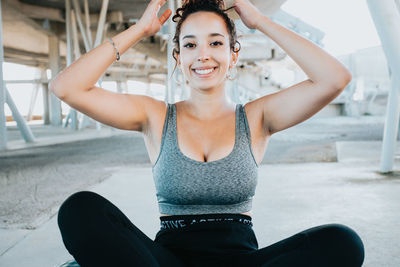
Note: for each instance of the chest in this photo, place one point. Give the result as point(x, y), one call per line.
point(205, 141)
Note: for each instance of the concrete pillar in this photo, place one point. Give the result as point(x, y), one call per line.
point(101, 23)
point(54, 59)
point(87, 22)
point(45, 93)
point(78, 17)
point(3, 128)
point(124, 85)
point(21, 123)
point(148, 88)
point(391, 126)
point(235, 91)
point(73, 115)
point(386, 17)
point(34, 95)
point(68, 30)
point(101, 32)
point(99, 35)
point(171, 84)
point(119, 86)
point(5, 97)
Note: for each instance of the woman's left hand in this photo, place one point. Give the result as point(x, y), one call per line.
point(249, 14)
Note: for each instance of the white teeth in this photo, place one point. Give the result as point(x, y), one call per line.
point(203, 71)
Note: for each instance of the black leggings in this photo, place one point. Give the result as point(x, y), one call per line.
point(97, 234)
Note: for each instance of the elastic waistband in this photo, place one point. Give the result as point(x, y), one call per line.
point(182, 221)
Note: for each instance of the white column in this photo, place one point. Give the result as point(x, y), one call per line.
point(54, 58)
point(386, 17)
point(101, 32)
point(124, 84)
point(391, 126)
point(21, 123)
point(87, 20)
point(119, 86)
point(171, 84)
point(34, 94)
point(5, 97)
point(73, 115)
point(3, 128)
point(235, 91)
point(45, 94)
point(101, 23)
point(78, 17)
point(148, 88)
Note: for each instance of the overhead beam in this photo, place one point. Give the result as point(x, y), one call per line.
point(12, 11)
point(56, 14)
point(15, 55)
point(36, 12)
point(153, 50)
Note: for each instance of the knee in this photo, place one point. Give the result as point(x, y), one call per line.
point(77, 207)
point(342, 245)
point(351, 244)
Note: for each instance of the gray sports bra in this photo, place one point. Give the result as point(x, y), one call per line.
point(187, 186)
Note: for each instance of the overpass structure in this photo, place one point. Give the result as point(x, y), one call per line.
point(51, 34)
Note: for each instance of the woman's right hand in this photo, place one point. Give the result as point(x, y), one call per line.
point(149, 23)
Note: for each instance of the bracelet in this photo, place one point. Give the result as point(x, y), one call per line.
point(116, 50)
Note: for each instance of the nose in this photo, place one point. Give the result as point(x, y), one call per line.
point(204, 54)
point(203, 58)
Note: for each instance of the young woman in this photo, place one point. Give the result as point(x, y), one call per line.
point(205, 151)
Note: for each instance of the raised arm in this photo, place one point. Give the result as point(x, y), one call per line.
point(75, 85)
point(327, 76)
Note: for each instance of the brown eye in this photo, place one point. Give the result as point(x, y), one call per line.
point(217, 43)
point(189, 45)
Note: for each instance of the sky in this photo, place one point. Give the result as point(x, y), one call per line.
point(347, 24)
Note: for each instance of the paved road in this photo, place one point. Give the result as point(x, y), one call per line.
point(35, 181)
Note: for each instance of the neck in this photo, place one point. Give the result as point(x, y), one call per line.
point(209, 104)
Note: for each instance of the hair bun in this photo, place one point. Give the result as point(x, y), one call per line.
point(217, 3)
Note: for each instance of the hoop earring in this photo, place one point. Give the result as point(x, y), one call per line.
point(174, 76)
point(231, 76)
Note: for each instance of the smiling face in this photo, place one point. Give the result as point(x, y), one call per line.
point(205, 55)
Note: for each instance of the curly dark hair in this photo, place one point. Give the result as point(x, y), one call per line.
point(192, 6)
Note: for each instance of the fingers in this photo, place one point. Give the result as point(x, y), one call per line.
point(165, 16)
point(159, 2)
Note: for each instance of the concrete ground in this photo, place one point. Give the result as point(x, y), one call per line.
point(322, 171)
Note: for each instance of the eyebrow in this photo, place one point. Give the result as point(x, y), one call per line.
point(211, 35)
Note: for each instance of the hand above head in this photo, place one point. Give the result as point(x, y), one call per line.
point(249, 14)
point(149, 23)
